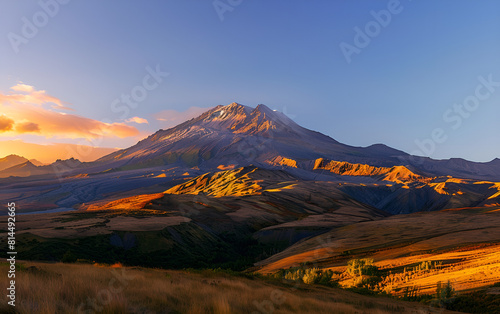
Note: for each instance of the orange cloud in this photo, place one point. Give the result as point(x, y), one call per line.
point(31, 96)
point(171, 118)
point(137, 120)
point(6, 123)
point(27, 127)
point(24, 112)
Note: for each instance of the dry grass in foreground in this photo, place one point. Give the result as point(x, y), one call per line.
point(85, 288)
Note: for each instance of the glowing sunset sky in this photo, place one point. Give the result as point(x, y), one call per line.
point(108, 74)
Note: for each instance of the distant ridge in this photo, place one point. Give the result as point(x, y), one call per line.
point(397, 174)
point(34, 168)
point(10, 161)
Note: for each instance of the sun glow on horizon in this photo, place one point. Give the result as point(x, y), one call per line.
point(49, 153)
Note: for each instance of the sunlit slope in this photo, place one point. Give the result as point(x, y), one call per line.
point(397, 174)
point(465, 242)
point(238, 182)
point(273, 191)
point(270, 204)
point(129, 203)
point(394, 190)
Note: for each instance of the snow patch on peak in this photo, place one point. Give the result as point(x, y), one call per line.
point(217, 114)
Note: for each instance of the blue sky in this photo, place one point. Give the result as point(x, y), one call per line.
point(285, 54)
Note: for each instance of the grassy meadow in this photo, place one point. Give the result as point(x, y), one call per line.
point(87, 288)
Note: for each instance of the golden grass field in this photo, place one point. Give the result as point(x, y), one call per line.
point(69, 288)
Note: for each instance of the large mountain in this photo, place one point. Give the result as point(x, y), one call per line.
point(236, 135)
point(239, 135)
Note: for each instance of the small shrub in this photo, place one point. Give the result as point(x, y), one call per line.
point(294, 274)
point(68, 257)
point(360, 267)
point(445, 292)
point(311, 276)
point(308, 276)
point(427, 265)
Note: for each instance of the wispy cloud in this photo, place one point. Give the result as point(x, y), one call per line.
point(137, 120)
point(171, 118)
point(23, 88)
point(27, 110)
point(27, 94)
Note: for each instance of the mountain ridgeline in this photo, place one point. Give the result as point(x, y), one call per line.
point(239, 135)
